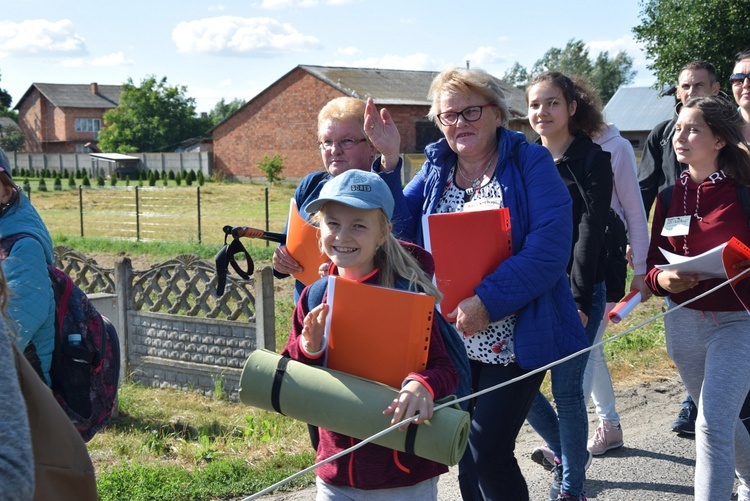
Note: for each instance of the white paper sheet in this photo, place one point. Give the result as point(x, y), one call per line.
point(708, 264)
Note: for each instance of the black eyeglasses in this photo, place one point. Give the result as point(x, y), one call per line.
point(344, 144)
point(470, 114)
point(738, 78)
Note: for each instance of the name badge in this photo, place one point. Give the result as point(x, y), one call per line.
point(483, 204)
point(676, 226)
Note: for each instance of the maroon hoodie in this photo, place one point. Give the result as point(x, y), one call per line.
point(373, 466)
point(721, 218)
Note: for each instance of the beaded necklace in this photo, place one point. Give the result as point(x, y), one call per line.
point(476, 183)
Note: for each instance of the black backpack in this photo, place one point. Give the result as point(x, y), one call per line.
point(84, 375)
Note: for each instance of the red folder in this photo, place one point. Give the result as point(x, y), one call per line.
point(377, 333)
point(302, 244)
point(466, 246)
point(734, 252)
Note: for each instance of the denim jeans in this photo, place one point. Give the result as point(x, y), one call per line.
point(496, 419)
point(566, 431)
point(597, 381)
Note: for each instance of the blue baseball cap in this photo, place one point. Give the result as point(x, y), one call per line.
point(355, 188)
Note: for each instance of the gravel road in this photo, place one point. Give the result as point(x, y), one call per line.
point(654, 464)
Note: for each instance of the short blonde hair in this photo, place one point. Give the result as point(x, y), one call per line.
point(343, 108)
point(467, 82)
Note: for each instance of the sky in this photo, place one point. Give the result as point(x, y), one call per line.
point(235, 49)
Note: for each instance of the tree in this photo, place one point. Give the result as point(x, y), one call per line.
point(272, 167)
point(572, 60)
point(222, 110)
point(517, 76)
point(5, 99)
point(604, 73)
point(675, 32)
point(11, 138)
point(151, 117)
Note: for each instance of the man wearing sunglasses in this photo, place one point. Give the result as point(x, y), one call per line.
point(740, 79)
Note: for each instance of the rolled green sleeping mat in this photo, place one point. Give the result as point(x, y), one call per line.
point(348, 405)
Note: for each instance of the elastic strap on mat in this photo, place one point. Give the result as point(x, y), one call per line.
point(411, 438)
point(278, 378)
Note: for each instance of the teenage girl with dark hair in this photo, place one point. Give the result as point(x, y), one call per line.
point(709, 339)
point(567, 114)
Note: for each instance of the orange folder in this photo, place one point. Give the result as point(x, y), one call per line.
point(466, 246)
point(734, 252)
point(302, 244)
point(375, 332)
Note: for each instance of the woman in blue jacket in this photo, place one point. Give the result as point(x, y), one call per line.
point(31, 305)
point(525, 305)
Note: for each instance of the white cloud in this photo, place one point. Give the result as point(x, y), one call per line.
point(416, 62)
point(348, 51)
point(114, 59)
point(485, 56)
point(107, 61)
point(216, 8)
point(39, 37)
point(287, 4)
point(230, 35)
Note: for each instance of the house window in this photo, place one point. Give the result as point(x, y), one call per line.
point(89, 125)
point(427, 132)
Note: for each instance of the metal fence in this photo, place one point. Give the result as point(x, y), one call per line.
point(146, 214)
point(201, 161)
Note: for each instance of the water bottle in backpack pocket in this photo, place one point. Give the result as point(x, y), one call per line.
point(77, 375)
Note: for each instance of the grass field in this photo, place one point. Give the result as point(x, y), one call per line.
point(170, 445)
point(163, 214)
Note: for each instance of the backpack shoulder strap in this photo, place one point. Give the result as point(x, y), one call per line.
point(666, 196)
point(743, 193)
point(6, 244)
point(315, 293)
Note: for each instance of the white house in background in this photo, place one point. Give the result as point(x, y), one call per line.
point(636, 111)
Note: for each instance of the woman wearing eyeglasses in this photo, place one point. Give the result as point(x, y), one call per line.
point(522, 315)
point(343, 146)
point(741, 88)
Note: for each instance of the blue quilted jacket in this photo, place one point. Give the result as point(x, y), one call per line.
point(532, 281)
point(31, 303)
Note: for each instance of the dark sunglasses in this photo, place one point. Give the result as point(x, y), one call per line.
point(738, 78)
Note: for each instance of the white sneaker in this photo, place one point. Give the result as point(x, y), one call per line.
point(606, 437)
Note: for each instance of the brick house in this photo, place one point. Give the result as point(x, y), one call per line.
point(63, 118)
point(283, 117)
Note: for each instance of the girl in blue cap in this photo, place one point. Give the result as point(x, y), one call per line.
point(353, 212)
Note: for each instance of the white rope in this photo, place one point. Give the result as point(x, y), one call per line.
point(488, 390)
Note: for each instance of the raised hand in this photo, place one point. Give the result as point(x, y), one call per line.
point(383, 134)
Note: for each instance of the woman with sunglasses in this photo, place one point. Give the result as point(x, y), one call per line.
point(522, 315)
point(741, 88)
